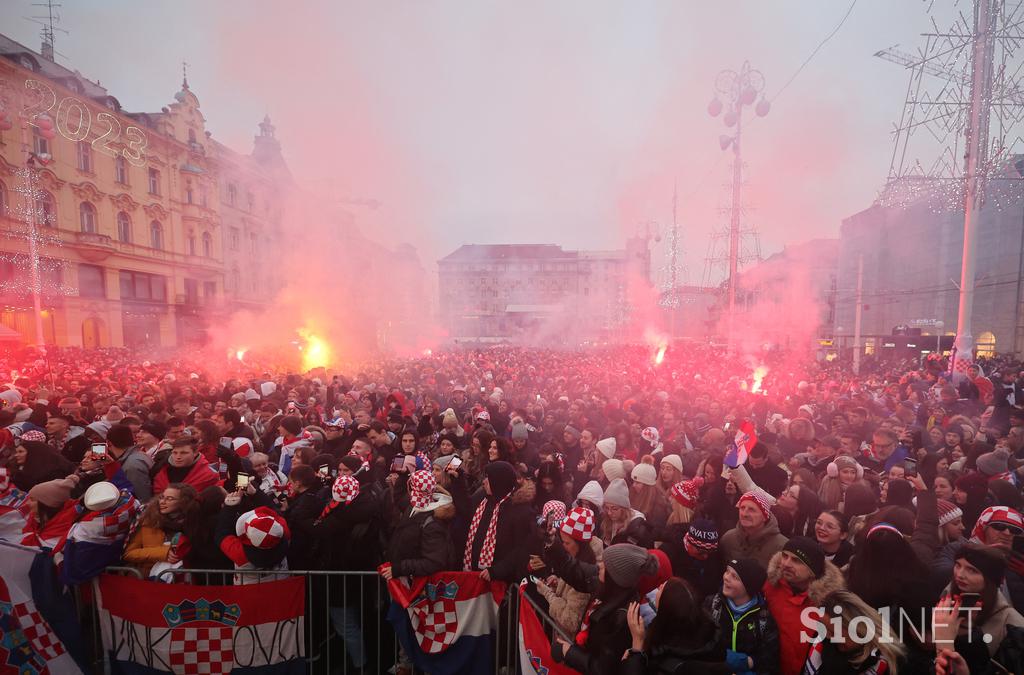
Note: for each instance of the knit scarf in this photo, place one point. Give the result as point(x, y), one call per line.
point(487, 550)
point(584, 632)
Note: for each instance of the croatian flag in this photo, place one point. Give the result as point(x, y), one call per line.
point(739, 449)
point(446, 623)
point(150, 627)
point(39, 631)
point(534, 646)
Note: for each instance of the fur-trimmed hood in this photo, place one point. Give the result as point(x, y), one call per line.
point(831, 580)
point(525, 493)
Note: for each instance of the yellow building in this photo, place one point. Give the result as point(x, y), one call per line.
point(149, 221)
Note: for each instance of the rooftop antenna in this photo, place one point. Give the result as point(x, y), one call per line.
point(184, 74)
point(49, 23)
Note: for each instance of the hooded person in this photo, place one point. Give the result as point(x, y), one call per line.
point(293, 439)
point(421, 543)
point(799, 579)
point(501, 530)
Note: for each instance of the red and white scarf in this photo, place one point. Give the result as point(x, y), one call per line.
point(487, 550)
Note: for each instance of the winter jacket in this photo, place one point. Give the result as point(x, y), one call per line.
point(421, 544)
point(706, 660)
point(243, 556)
point(302, 511)
point(608, 638)
point(1006, 647)
point(147, 546)
point(786, 606)
point(825, 658)
point(136, 465)
point(580, 576)
point(753, 633)
point(942, 571)
point(566, 605)
point(348, 539)
point(736, 543)
point(516, 535)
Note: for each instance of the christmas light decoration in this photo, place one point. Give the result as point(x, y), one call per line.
point(34, 224)
point(674, 273)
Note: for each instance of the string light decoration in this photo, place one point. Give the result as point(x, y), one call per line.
point(34, 224)
point(673, 272)
point(927, 167)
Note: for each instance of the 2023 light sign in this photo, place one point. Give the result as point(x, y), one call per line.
point(73, 120)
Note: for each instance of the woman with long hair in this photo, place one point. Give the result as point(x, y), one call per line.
point(860, 649)
point(803, 505)
point(680, 639)
point(840, 474)
point(993, 634)
point(165, 530)
point(36, 462)
point(604, 633)
point(830, 530)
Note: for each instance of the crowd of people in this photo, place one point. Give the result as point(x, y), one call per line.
point(871, 524)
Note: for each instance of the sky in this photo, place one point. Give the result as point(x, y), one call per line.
point(569, 122)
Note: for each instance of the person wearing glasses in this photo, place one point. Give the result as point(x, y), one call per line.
point(997, 526)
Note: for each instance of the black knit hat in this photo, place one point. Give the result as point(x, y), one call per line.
point(989, 561)
point(751, 573)
point(809, 552)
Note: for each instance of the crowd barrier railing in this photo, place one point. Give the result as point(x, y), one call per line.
point(326, 650)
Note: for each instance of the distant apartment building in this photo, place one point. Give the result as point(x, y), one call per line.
point(541, 292)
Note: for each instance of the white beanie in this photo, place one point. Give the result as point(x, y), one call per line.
point(613, 469)
point(606, 446)
point(101, 496)
point(644, 473)
point(617, 494)
point(268, 388)
point(592, 493)
point(673, 460)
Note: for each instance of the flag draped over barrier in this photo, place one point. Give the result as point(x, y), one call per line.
point(187, 630)
point(446, 622)
point(534, 645)
point(39, 631)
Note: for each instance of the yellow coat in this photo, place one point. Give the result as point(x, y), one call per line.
point(147, 547)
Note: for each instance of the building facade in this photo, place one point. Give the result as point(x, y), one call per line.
point(911, 258)
point(541, 293)
point(148, 224)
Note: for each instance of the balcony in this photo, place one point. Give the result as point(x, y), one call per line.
point(94, 247)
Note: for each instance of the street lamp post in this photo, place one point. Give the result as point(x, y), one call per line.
point(737, 89)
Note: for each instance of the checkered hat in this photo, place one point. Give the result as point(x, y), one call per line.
point(651, 435)
point(759, 502)
point(421, 488)
point(242, 446)
point(996, 514)
point(483, 415)
point(553, 507)
point(579, 523)
point(686, 492)
point(34, 435)
point(345, 489)
point(261, 528)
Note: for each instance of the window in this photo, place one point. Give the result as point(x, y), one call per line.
point(3, 200)
point(250, 201)
point(46, 210)
point(207, 245)
point(252, 243)
point(156, 234)
point(84, 152)
point(232, 194)
point(192, 136)
point(91, 283)
point(986, 345)
point(154, 182)
point(188, 192)
point(191, 244)
point(236, 281)
point(40, 145)
point(209, 291)
point(202, 194)
point(191, 292)
point(124, 227)
point(121, 170)
point(234, 239)
point(142, 286)
point(87, 217)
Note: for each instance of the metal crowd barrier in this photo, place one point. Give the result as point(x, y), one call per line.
point(325, 647)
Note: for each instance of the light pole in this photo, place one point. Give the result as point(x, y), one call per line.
point(738, 89)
